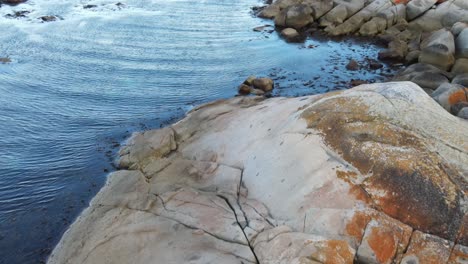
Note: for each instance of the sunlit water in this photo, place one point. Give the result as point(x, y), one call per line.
point(77, 87)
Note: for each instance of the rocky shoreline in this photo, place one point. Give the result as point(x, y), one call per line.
point(374, 174)
point(430, 35)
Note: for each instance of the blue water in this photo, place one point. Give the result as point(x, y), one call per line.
point(77, 87)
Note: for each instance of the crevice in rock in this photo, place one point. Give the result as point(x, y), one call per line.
point(409, 242)
point(186, 225)
point(240, 226)
point(263, 217)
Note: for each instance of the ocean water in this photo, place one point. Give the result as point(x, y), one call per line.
point(78, 86)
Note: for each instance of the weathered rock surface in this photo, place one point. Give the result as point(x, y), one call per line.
point(270, 11)
point(438, 49)
point(444, 15)
point(460, 66)
point(417, 7)
point(462, 44)
point(377, 173)
point(424, 75)
point(449, 94)
point(461, 79)
point(296, 16)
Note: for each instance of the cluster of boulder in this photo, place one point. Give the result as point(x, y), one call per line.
point(431, 33)
point(374, 174)
point(256, 86)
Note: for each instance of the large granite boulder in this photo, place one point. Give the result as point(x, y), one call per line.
point(377, 173)
point(438, 49)
point(342, 11)
point(355, 22)
point(296, 16)
point(319, 7)
point(417, 7)
point(425, 75)
point(460, 66)
point(444, 15)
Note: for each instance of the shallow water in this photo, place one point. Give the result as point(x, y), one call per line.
point(77, 87)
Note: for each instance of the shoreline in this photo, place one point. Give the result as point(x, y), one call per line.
point(441, 73)
point(186, 172)
point(164, 146)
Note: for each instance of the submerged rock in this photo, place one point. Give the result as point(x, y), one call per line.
point(352, 65)
point(376, 173)
point(48, 18)
point(5, 60)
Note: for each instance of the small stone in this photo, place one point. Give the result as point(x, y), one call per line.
point(456, 108)
point(352, 65)
point(374, 65)
point(463, 113)
point(89, 6)
point(48, 18)
point(357, 82)
point(244, 89)
point(5, 60)
point(290, 34)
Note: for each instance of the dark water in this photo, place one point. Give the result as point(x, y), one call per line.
point(77, 87)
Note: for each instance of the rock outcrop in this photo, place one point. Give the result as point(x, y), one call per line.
point(375, 174)
point(426, 31)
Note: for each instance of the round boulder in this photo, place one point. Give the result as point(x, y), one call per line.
point(269, 12)
point(290, 34)
point(448, 95)
point(264, 84)
point(461, 66)
point(296, 16)
point(438, 49)
point(461, 79)
point(244, 89)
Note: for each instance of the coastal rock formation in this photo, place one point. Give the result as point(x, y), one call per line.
point(374, 174)
point(427, 31)
point(256, 86)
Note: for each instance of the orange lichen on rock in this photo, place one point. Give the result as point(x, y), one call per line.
point(334, 252)
point(384, 239)
point(356, 226)
point(383, 244)
point(427, 249)
point(459, 96)
point(355, 189)
point(400, 170)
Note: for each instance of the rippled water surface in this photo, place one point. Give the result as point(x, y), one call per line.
point(77, 87)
